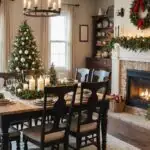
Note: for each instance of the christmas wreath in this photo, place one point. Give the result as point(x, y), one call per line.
point(136, 19)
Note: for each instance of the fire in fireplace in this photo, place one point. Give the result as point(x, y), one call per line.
point(138, 88)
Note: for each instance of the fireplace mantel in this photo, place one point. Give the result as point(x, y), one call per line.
point(118, 54)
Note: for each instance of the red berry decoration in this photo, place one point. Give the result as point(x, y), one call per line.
point(141, 23)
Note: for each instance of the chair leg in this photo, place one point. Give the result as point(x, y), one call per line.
point(98, 141)
point(18, 144)
point(78, 143)
point(10, 146)
point(66, 144)
point(25, 144)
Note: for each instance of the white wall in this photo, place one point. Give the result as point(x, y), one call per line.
point(127, 28)
point(83, 15)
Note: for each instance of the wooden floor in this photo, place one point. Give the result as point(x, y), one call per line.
point(134, 135)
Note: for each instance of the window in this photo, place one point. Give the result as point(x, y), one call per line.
point(58, 42)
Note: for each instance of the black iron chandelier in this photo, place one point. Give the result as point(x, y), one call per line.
point(36, 8)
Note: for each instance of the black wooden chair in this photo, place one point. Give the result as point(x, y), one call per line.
point(82, 74)
point(55, 133)
point(85, 128)
point(14, 134)
point(100, 75)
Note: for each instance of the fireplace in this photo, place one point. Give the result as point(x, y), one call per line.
point(138, 88)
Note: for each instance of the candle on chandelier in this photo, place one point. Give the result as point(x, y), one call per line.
point(29, 4)
point(59, 3)
point(25, 3)
point(54, 5)
point(35, 3)
point(40, 84)
point(49, 3)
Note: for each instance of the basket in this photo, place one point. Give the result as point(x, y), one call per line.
point(116, 107)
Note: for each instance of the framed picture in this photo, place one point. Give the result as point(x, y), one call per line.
point(83, 33)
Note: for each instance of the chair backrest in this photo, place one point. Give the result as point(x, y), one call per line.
point(100, 75)
point(93, 101)
point(59, 108)
point(82, 74)
point(5, 76)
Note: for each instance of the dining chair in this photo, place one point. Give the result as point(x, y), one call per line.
point(54, 133)
point(86, 127)
point(82, 74)
point(100, 75)
point(14, 135)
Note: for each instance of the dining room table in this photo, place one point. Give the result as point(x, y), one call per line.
point(19, 110)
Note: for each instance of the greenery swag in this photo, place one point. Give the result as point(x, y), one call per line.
point(136, 44)
point(135, 18)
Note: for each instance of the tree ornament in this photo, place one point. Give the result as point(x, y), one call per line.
point(25, 33)
point(22, 60)
point(27, 38)
point(17, 69)
point(22, 43)
point(22, 38)
point(16, 58)
point(26, 52)
point(30, 57)
point(136, 19)
point(20, 52)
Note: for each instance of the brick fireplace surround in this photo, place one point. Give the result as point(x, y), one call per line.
point(121, 61)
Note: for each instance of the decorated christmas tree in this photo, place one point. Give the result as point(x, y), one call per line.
point(25, 55)
point(53, 75)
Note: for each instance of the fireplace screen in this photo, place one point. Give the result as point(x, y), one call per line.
point(138, 88)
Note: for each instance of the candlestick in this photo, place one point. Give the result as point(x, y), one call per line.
point(54, 5)
point(40, 84)
point(49, 3)
point(59, 3)
point(47, 81)
point(25, 86)
point(29, 4)
point(32, 84)
point(118, 30)
point(25, 4)
point(35, 3)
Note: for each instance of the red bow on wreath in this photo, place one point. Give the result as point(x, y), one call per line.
point(138, 4)
point(140, 23)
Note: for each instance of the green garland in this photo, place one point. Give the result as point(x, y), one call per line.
point(2, 96)
point(136, 44)
point(29, 95)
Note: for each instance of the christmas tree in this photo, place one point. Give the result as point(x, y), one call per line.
point(25, 55)
point(53, 75)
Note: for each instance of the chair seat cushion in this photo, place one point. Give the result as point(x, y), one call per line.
point(83, 128)
point(34, 133)
point(13, 133)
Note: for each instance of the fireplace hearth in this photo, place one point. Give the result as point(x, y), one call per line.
point(138, 88)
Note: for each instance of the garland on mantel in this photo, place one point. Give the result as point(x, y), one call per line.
point(136, 44)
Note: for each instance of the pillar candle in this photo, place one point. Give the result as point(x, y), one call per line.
point(25, 86)
point(40, 84)
point(32, 84)
point(47, 81)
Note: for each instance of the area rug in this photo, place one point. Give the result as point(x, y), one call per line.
point(112, 144)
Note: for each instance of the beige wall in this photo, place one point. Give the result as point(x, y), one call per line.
point(82, 16)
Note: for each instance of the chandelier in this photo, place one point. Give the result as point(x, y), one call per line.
point(36, 8)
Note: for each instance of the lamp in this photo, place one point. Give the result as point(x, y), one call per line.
point(32, 8)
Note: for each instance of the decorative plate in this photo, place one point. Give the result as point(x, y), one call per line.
point(105, 23)
point(99, 25)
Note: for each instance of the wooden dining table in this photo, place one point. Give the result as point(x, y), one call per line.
point(21, 110)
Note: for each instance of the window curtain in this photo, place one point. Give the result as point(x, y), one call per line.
point(4, 34)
